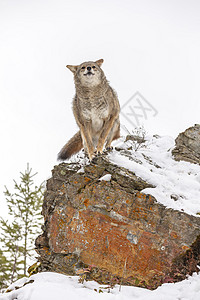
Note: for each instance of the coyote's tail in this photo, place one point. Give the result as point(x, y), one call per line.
point(73, 146)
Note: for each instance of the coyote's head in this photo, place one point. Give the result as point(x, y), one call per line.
point(88, 74)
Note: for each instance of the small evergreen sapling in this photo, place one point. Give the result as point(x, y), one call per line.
point(18, 235)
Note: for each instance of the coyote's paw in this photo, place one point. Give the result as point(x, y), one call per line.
point(99, 149)
point(97, 153)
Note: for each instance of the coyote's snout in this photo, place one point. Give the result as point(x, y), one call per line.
point(96, 110)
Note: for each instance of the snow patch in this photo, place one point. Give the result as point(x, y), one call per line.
point(154, 163)
point(51, 286)
point(106, 177)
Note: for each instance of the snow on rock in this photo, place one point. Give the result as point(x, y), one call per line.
point(177, 184)
point(106, 177)
point(51, 286)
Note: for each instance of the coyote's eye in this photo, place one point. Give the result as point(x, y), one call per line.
point(83, 68)
point(93, 67)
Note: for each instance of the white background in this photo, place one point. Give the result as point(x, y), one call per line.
point(148, 46)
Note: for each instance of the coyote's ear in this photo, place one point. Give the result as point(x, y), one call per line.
point(99, 62)
point(72, 68)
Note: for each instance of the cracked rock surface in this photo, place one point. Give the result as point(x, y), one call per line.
point(188, 145)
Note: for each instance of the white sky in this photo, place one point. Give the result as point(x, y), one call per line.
point(148, 46)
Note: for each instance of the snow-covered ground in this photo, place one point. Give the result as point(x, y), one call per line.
point(52, 286)
point(177, 184)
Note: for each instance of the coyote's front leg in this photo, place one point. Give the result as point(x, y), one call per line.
point(106, 130)
point(85, 130)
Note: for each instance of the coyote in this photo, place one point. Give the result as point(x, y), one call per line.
point(96, 110)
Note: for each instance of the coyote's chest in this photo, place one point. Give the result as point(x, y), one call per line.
point(96, 111)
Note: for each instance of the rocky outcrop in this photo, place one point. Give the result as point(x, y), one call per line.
point(99, 224)
point(188, 145)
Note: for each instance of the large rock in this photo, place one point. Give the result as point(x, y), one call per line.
point(188, 145)
point(107, 228)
